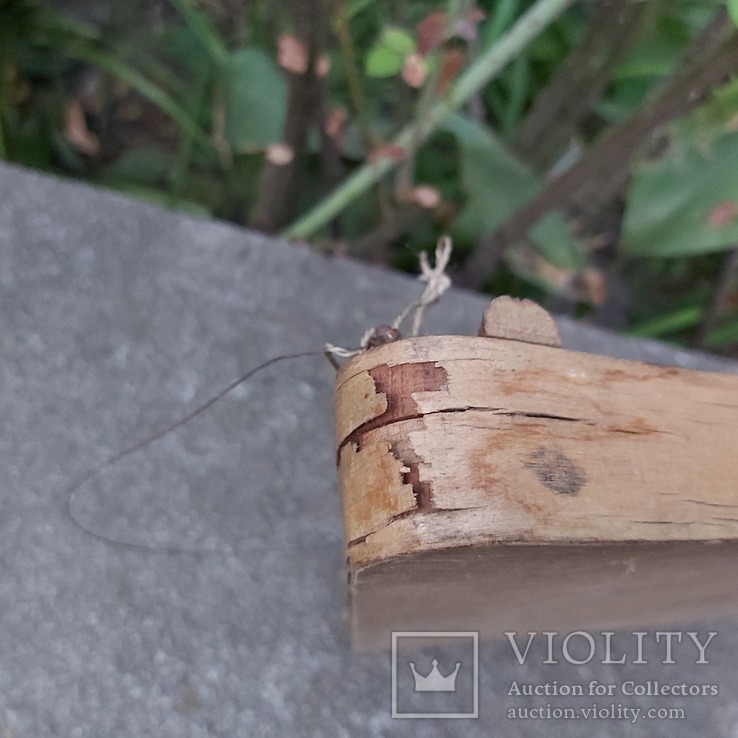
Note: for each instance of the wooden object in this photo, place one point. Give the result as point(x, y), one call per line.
point(519, 320)
point(491, 484)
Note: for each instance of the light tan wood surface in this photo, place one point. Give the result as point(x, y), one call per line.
point(483, 475)
point(519, 320)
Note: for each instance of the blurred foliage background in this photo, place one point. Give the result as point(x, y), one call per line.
point(596, 173)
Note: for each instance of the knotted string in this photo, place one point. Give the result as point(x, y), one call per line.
point(437, 282)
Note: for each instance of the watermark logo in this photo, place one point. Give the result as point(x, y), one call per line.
point(592, 699)
point(581, 647)
point(435, 675)
point(435, 681)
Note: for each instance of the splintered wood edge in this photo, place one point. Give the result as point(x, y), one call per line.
point(586, 448)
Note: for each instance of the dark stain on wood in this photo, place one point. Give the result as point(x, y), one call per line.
point(556, 471)
point(398, 383)
point(404, 452)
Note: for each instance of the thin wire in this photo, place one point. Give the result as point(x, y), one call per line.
point(437, 282)
point(115, 458)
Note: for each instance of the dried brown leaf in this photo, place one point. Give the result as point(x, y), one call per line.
point(451, 64)
point(335, 120)
point(389, 151)
point(467, 26)
point(431, 32)
point(77, 132)
point(414, 70)
point(292, 54)
point(426, 196)
point(723, 214)
point(279, 154)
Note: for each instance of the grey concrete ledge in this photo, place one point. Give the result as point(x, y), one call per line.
point(117, 317)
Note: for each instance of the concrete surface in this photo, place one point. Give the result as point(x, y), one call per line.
point(116, 318)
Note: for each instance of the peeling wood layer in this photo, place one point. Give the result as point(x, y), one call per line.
point(503, 483)
point(454, 441)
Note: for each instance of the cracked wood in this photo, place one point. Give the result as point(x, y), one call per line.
point(453, 444)
point(543, 445)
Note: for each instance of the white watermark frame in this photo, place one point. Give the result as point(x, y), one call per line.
point(471, 635)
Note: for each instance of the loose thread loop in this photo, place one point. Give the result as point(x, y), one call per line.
point(115, 458)
point(437, 282)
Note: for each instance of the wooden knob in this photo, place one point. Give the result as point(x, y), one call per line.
point(492, 485)
point(519, 320)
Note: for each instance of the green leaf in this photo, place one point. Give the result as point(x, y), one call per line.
point(157, 197)
point(518, 88)
point(200, 25)
point(355, 7)
point(733, 10)
point(387, 56)
point(255, 100)
point(655, 59)
point(725, 334)
point(625, 98)
point(718, 116)
point(398, 40)
point(30, 141)
point(383, 62)
point(548, 47)
point(552, 236)
point(147, 165)
point(686, 202)
point(181, 49)
point(495, 181)
point(496, 184)
point(673, 322)
point(499, 21)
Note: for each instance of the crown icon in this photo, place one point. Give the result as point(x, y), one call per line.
point(435, 681)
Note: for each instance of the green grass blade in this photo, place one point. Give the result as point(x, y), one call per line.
point(201, 26)
point(502, 16)
point(519, 86)
point(145, 87)
point(673, 322)
point(356, 6)
point(724, 335)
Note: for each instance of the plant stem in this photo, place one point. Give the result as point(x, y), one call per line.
point(471, 81)
point(405, 172)
point(720, 294)
point(3, 148)
point(710, 59)
point(340, 24)
point(581, 78)
point(279, 184)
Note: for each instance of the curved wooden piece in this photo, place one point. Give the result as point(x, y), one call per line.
point(519, 320)
point(491, 484)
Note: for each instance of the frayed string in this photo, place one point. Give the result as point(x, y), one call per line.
point(437, 283)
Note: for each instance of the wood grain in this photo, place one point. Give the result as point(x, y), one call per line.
point(459, 455)
point(519, 320)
